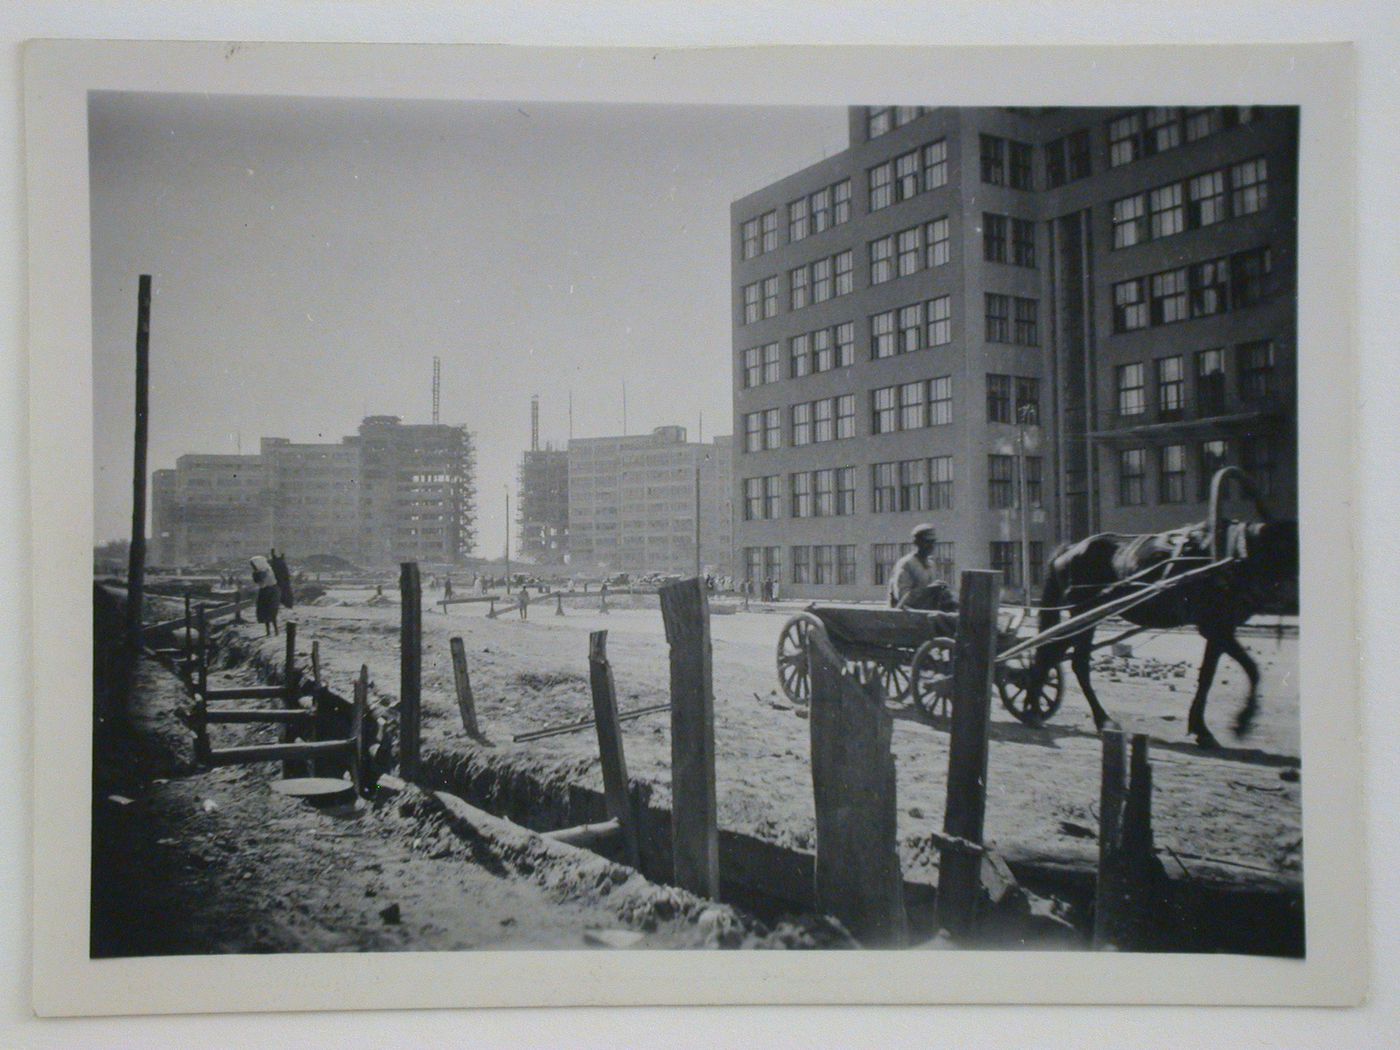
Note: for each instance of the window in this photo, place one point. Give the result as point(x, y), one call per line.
point(845, 416)
point(846, 486)
point(770, 230)
point(772, 562)
point(845, 273)
point(1210, 381)
point(1132, 393)
point(882, 339)
point(1001, 482)
point(753, 302)
point(1249, 272)
point(1163, 129)
point(823, 423)
point(1056, 164)
point(1165, 211)
point(878, 120)
point(1210, 287)
point(913, 406)
point(1027, 332)
point(911, 325)
point(821, 210)
point(1207, 199)
point(993, 160)
point(753, 564)
point(998, 318)
point(936, 242)
point(1130, 221)
point(798, 281)
point(883, 557)
point(1256, 364)
point(1067, 159)
point(1023, 242)
point(822, 564)
point(1080, 165)
point(797, 219)
point(998, 398)
point(1132, 477)
point(910, 252)
point(943, 559)
point(1250, 186)
point(935, 158)
point(802, 424)
point(800, 353)
point(802, 495)
point(884, 411)
point(845, 563)
point(904, 114)
point(823, 493)
point(753, 499)
point(1124, 145)
point(841, 202)
point(940, 472)
point(753, 367)
point(906, 175)
point(1028, 400)
point(801, 564)
point(1257, 460)
point(913, 482)
point(884, 487)
point(1202, 122)
point(993, 237)
point(1169, 297)
point(773, 428)
point(821, 350)
point(882, 260)
point(845, 344)
point(1005, 559)
point(940, 321)
point(1035, 488)
point(770, 297)
point(753, 432)
point(1171, 388)
point(1022, 172)
point(1214, 456)
point(772, 499)
point(1171, 485)
point(749, 237)
point(821, 280)
point(940, 401)
point(881, 191)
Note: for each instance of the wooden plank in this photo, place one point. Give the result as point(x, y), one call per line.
point(587, 836)
point(136, 555)
point(694, 820)
point(466, 703)
point(959, 871)
point(614, 761)
point(857, 877)
point(246, 692)
point(237, 717)
point(299, 751)
point(587, 723)
point(358, 755)
point(410, 668)
point(1106, 892)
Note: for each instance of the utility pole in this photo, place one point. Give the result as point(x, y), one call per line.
point(1023, 414)
point(697, 513)
point(136, 562)
point(507, 539)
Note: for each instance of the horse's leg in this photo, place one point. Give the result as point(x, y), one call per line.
point(1083, 650)
point(1196, 723)
point(1241, 656)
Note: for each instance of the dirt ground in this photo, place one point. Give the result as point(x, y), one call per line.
point(1232, 814)
point(212, 862)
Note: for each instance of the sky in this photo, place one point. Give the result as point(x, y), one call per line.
point(310, 257)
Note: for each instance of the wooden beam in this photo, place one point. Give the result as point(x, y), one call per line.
point(614, 761)
point(694, 821)
point(291, 689)
point(858, 876)
point(202, 657)
point(299, 751)
point(247, 692)
point(587, 723)
point(587, 836)
point(410, 668)
point(959, 871)
point(136, 559)
point(1111, 793)
point(466, 702)
point(241, 717)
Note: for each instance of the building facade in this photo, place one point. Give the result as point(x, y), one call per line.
point(544, 506)
point(391, 493)
point(1020, 325)
point(632, 503)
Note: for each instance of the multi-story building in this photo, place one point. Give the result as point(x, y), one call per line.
point(632, 503)
point(1020, 325)
point(543, 480)
point(392, 493)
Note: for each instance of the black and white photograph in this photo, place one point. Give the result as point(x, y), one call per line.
point(524, 523)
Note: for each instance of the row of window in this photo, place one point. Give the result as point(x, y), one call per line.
point(1006, 162)
point(906, 329)
point(816, 212)
point(837, 563)
point(820, 280)
point(1147, 132)
point(882, 119)
point(1013, 399)
point(1012, 319)
point(1256, 457)
point(1199, 290)
point(1007, 239)
point(909, 174)
point(1257, 378)
point(1199, 201)
point(811, 422)
point(909, 251)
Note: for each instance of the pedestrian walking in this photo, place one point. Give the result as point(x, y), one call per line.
point(524, 603)
point(269, 595)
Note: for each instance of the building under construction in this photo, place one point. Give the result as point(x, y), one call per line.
point(543, 517)
point(393, 492)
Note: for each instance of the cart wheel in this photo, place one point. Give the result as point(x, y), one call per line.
point(894, 676)
point(794, 675)
point(931, 677)
point(1012, 678)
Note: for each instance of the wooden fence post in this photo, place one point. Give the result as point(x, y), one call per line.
point(202, 665)
point(136, 555)
point(291, 690)
point(187, 668)
point(238, 604)
point(694, 823)
point(600, 680)
point(559, 603)
point(1111, 786)
point(410, 668)
point(1124, 897)
point(466, 703)
point(858, 878)
point(960, 868)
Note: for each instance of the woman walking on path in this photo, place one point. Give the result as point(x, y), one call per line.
point(269, 594)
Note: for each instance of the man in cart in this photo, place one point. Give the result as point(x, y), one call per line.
point(913, 581)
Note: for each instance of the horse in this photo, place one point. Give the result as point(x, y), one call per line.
point(1257, 561)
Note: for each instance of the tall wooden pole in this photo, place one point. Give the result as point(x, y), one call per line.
point(410, 668)
point(697, 517)
point(136, 564)
point(507, 539)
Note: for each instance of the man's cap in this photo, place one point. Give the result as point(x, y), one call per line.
point(923, 530)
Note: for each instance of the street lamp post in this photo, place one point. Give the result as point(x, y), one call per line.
point(1025, 415)
point(507, 539)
